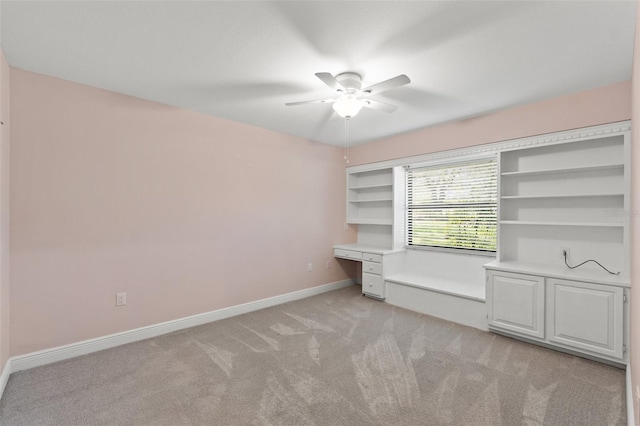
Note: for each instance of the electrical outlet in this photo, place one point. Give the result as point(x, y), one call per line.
point(121, 299)
point(309, 267)
point(328, 265)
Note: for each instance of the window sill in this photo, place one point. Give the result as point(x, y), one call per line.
point(453, 251)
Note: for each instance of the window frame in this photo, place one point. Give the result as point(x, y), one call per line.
point(467, 159)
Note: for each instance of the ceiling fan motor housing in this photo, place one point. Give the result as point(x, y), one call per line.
point(351, 81)
point(351, 97)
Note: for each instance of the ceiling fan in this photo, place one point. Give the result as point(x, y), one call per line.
point(351, 97)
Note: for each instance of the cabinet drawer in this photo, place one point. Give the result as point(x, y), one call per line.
point(372, 268)
point(373, 285)
point(347, 254)
point(370, 257)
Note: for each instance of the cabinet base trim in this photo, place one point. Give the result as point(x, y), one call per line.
point(371, 296)
point(618, 364)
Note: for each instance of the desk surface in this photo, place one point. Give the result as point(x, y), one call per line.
point(367, 249)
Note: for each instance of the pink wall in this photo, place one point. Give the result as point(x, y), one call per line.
point(635, 226)
point(5, 117)
point(185, 212)
point(599, 106)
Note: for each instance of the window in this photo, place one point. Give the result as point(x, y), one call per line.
point(453, 206)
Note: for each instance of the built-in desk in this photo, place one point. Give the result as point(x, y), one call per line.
point(376, 263)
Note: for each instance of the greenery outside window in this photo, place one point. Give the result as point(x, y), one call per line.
point(453, 206)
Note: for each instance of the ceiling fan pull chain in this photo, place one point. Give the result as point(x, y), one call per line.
point(346, 140)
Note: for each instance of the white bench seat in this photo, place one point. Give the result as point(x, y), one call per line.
point(444, 285)
point(462, 289)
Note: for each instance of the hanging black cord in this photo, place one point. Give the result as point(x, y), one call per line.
point(587, 261)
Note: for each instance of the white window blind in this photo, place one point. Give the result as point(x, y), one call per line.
point(453, 206)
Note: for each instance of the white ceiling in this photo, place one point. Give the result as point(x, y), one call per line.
point(243, 60)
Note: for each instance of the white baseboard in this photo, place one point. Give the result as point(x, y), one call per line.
point(4, 376)
point(631, 420)
point(47, 356)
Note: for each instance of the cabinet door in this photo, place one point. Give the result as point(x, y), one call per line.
point(586, 316)
point(373, 285)
point(516, 303)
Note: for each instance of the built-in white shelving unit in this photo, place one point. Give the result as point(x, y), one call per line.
point(372, 198)
point(570, 193)
point(375, 202)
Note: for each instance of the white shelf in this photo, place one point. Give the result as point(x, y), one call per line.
point(381, 185)
point(538, 223)
point(613, 166)
point(525, 197)
point(385, 222)
point(376, 200)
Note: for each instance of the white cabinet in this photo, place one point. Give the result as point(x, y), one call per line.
point(566, 192)
point(583, 317)
point(586, 316)
point(515, 303)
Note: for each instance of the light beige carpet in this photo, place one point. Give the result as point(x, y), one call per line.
point(333, 359)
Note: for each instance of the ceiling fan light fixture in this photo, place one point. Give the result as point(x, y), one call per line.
point(348, 106)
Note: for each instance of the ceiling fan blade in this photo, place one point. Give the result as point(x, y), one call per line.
point(329, 80)
point(380, 106)
point(396, 81)
point(318, 101)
